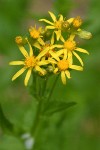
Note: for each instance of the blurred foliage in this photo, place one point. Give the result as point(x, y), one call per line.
point(79, 126)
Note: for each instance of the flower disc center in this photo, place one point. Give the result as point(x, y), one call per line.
point(70, 45)
point(63, 65)
point(58, 24)
point(34, 33)
point(30, 62)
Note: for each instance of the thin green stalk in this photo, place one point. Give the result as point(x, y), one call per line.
point(45, 86)
point(54, 84)
point(36, 120)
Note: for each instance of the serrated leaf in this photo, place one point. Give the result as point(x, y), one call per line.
point(56, 106)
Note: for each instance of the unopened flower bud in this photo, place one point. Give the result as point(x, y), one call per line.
point(77, 22)
point(50, 68)
point(20, 40)
point(84, 34)
point(65, 25)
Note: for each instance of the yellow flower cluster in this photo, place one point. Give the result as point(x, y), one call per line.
point(51, 48)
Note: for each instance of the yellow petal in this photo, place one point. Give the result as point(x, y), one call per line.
point(72, 36)
point(50, 27)
point(67, 74)
point(76, 67)
point(47, 21)
point(41, 41)
point(37, 45)
point(57, 45)
point(65, 54)
point(56, 70)
point(40, 69)
point(42, 53)
point(52, 61)
point(42, 62)
point(60, 52)
point(54, 55)
point(27, 77)
point(61, 18)
point(23, 51)
point(52, 16)
point(62, 39)
point(58, 34)
point(70, 59)
point(63, 77)
point(70, 20)
point(52, 38)
point(16, 63)
point(18, 73)
point(78, 57)
point(82, 50)
point(31, 50)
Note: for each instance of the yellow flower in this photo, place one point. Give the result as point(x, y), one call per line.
point(29, 63)
point(36, 35)
point(77, 22)
point(71, 48)
point(56, 25)
point(63, 65)
point(51, 48)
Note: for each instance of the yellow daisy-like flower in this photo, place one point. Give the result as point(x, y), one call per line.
point(56, 25)
point(71, 47)
point(50, 48)
point(63, 65)
point(76, 22)
point(29, 63)
point(36, 35)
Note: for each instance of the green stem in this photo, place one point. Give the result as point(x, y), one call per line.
point(54, 84)
point(45, 86)
point(36, 120)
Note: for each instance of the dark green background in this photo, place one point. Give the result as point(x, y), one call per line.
point(76, 128)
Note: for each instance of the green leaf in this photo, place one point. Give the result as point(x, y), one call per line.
point(8, 142)
point(4, 122)
point(56, 106)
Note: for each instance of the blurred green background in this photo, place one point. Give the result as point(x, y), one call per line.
point(76, 128)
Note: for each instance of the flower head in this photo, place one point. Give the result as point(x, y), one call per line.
point(56, 25)
point(70, 46)
point(30, 61)
point(62, 65)
point(77, 22)
point(52, 48)
point(35, 33)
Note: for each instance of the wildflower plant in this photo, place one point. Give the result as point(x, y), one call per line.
point(52, 49)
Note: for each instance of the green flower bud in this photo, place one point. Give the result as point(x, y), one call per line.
point(84, 34)
point(50, 68)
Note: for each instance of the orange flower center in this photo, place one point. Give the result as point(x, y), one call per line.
point(58, 24)
point(34, 33)
point(70, 45)
point(30, 61)
point(18, 40)
point(63, 65)
point(77, 22)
